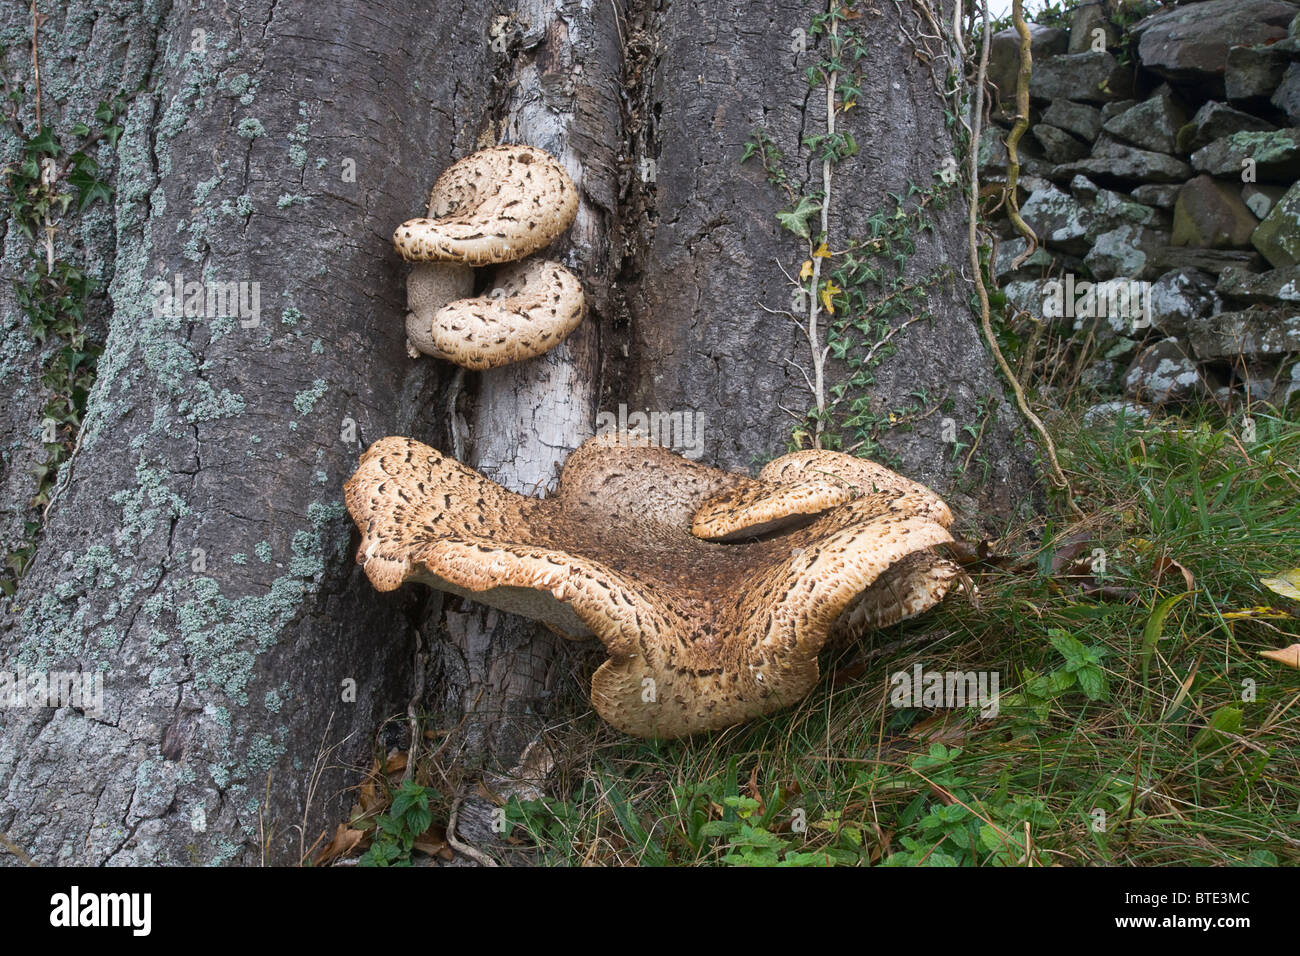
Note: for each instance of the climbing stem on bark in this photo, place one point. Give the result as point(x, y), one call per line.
point(1049, 447)
point(1018, 130)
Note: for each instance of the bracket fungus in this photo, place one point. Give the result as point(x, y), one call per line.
point(493, 207)
point(701, 634)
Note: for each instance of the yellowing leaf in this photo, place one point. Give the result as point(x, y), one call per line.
point(1256, 613)
point(1290, 656)
point(822, 252)
point(828, 290)
point(1286, 584)
point(806, 271)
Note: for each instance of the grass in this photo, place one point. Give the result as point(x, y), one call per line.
point(1127, 732)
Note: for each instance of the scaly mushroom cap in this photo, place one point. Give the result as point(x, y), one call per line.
point(533, 308)
point(794, 486)
point(496, 205)
point(700, 635)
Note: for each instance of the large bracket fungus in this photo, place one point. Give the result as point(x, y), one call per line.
point(701, 634)
point(495, 206)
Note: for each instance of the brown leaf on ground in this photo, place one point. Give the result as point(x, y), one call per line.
point(1290, 656)
point(396, 762)
point(1067, 550)
point(1164, 564)
point(344, 842)
point(433, 842)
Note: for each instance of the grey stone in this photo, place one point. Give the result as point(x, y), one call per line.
point(1107, 413)
point(1253, 73)
point(1115, 107)
point(1215, 121)
point(1102, 375)
point(1012, 249)
point(1110, 210)
point(1035, 297)
point(1126, 165)
point(1191, 42)
point(993, 158)
point(1178, 297)
point(1084, 21)
point(1211, 215)
point(1153, 124)
point(1057, 218)
point(1080, 119)
point(1004, 55)
point(1160, 195)
point(1058, 145)
point(1260, 199)
point(1111, 310)
point(1250, 334)
point(1287, 95)
point(1125, 252)
point(1209, 260)
point(1276, 155)
point(1164, 373)
point(1278, 236)
point(1092, 77)
point(1084, 189)
point(1268, 288)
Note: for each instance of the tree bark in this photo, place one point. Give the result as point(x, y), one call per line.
point(229, 734)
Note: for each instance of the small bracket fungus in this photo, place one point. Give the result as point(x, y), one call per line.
point(701, 635)
point(495, 206)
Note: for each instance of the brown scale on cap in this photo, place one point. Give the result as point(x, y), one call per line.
point(497, 205)
point(795, 486)
point(700, 635)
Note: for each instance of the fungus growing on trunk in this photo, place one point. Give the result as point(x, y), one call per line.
point(495, 206)
point(701, 635)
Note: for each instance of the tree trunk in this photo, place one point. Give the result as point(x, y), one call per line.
point(197, 553)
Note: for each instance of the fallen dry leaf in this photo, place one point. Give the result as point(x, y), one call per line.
point(1290, 656)
point(1255, 614)
point(396, 762)
point(344, 842)
point(1286, 584)
point(433, 842)
point(1164, 564)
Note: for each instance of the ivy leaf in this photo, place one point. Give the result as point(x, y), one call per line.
point(43, 142)
point(796, 220)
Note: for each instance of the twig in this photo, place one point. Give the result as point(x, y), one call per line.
point(1017, 131)
point(986, 324)
point(818, 355)
point(15, 849)
point(36, 67)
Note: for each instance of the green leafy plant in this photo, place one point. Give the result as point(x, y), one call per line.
point(959, 828)
point(851, 302)
point(398, 827)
